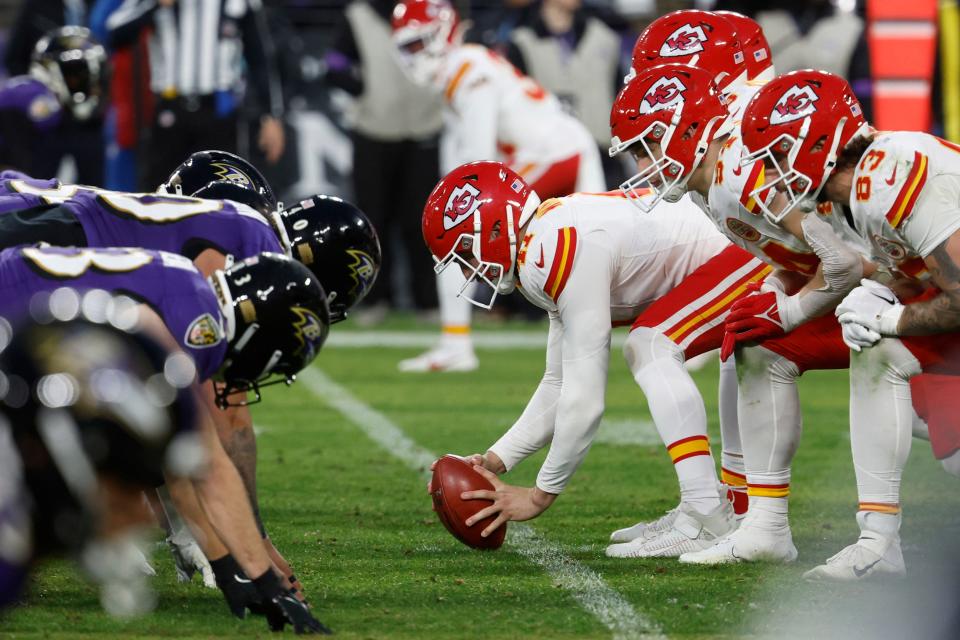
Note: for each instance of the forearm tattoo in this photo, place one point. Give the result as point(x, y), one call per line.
point(241, 447)
point(942, 313)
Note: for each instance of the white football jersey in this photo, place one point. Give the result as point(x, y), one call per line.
point(738, 215)
point(494, 112)
point(592, 261)
point(905, 198)
point(740, 218)
point(650, 253)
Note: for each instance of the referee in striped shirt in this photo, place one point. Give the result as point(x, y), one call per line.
point(200, 51)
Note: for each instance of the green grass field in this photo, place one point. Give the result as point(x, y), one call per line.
point(355, 522)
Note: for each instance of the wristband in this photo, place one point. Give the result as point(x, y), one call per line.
point(268, 585)
point(225, 568)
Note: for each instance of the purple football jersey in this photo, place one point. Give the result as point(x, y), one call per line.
point(168, 283)
point(33, 99)
point(171, 223)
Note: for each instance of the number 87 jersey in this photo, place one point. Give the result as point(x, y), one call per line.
point(905, 199)
point(177, 224)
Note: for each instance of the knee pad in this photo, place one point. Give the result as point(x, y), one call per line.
point(756, 359)
point(889, 356)
point(645, 345)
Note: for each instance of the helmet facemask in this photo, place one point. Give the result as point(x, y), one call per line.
point(489, 260)
point(672, 176)
point(423, 49)
point(798, 190)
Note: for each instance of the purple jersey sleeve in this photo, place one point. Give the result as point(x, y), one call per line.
point(169, 284)
point(33, 99)
point(186, 226)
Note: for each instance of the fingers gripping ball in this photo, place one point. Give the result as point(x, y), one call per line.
point(453, 475)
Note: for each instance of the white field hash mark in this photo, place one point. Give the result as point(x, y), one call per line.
point(583, 584)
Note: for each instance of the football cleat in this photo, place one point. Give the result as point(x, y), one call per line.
point(690, 531)
point(871, 556)
point(442, 358)
point(749, 543)
point(646, 529)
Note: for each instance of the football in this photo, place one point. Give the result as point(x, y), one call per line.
point(453, 475)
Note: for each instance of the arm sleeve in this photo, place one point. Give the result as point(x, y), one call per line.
point(584, 308)
point(124, 23)
point(840, 267)
point(261, 58)
point(471, 131)
point(343, 61)
point(534, 428)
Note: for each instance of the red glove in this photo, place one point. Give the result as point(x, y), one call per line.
point(753, 318)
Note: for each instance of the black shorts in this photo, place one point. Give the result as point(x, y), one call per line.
point(52, 224)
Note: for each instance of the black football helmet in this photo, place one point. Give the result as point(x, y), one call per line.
point(73, 65)
point(338, 243)
point(197, 174)
point(229, 190)
point(277, 320)
point(84, 399)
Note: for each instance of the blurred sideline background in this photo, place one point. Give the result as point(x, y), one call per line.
point(902, 58)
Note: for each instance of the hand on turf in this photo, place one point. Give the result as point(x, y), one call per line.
point(509, 502)
point(753, 318)
point(241, 595)
point(286, 609)
point(189, 559)
point(874, 307)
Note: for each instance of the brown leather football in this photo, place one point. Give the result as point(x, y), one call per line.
point(453, 475)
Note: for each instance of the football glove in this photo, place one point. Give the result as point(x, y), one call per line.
point(874, 307)
point(285, 609)
point(189, 559)
point(238, 590)
point(752, 318)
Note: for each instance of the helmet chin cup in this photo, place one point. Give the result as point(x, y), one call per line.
point(669, 189)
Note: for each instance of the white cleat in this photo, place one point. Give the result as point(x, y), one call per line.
point(690, 531)
point(871, 556)
point(646, 529)
point(441, 359)
point(749, 543)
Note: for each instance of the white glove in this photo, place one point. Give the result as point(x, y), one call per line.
point(189, 559)
point(873, 306)
point(858, 337)
point(120, 568)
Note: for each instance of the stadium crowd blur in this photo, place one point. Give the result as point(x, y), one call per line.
point(352, 124)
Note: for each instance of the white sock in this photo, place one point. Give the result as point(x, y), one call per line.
point(455, 312)
point(769, 412)
point(881, 421)
point(678, 413)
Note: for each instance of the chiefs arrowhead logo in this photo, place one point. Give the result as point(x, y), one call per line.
point(796, 103)
point(685, 41)
point(461, 204)
point(665, 93)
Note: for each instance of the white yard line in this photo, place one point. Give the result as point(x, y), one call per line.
point(640, 433)
point(583, 584)
point(494, 340)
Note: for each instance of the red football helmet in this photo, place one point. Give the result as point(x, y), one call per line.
point(796, 124)
point(756, 51)
point(425, 31)
point(676, 106)
point(473, 218)
point(698, 38)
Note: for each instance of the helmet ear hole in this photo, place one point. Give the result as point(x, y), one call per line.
point(495, 231)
